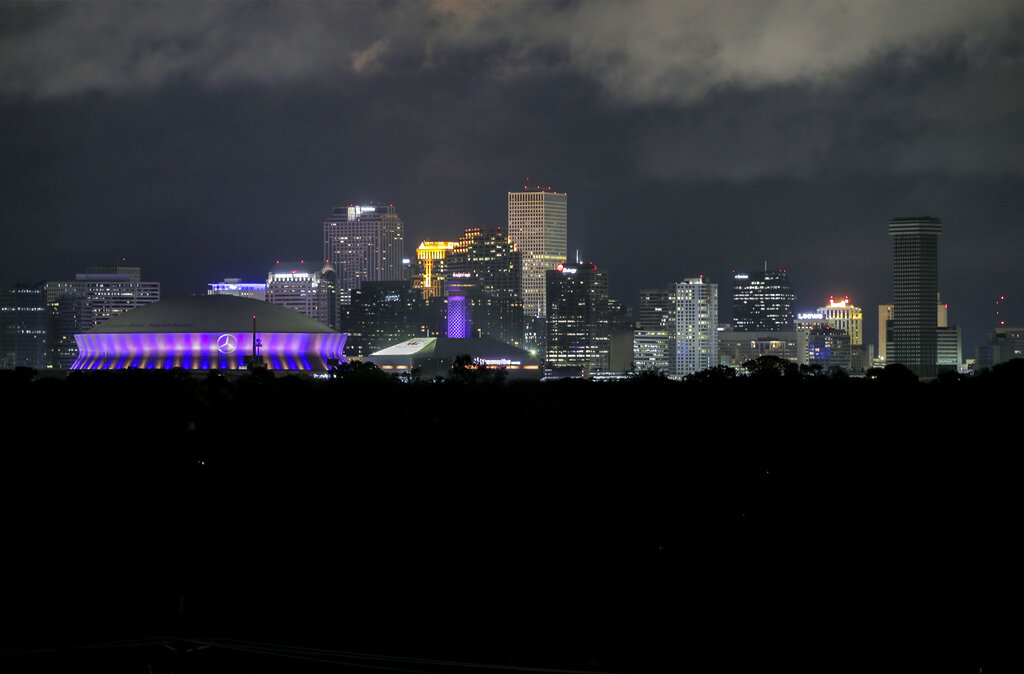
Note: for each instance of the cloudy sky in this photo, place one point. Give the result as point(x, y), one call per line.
point(205, 140)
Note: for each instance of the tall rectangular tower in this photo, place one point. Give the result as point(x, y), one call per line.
point(364, 243)
point(578, 329)
point(695, 305)
point(915, 289)
point(762, 302)
point(537, 225)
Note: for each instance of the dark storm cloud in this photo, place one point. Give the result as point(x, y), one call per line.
point(640, 52)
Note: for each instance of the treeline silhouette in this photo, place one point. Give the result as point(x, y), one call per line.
point(790, 517)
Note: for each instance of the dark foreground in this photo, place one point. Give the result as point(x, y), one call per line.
point(770, 523)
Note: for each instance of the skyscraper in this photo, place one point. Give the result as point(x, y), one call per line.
point(695, 308)
point(654, 338)
point(762, 301)
point(364, 243)
point(578, 331)
point(489, 269)
point(915, 289)
point(537, 226)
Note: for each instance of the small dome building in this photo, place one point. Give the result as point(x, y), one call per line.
point(209, 332)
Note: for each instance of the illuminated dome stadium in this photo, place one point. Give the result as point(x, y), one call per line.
point(209, 332)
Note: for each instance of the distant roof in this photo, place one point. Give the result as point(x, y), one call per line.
point(448, 347)
point(210, 313)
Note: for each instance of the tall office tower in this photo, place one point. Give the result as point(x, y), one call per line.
point(431, 267)
point(578, 331)
point(364, 243)
point(844, 316)
point(762, 301)
point(537, 225)
point(93, 297)
point(654, 337)
point(915, 288)
point(695, 309)
point(234, 286)
point(299, 287)
point(23, 327)
point(486, 266)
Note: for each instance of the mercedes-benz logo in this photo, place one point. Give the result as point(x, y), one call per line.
point(227, 343)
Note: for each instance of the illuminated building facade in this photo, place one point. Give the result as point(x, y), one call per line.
point(431, 267)
point(695, 322)
point(578, 329)
point(234, 286)
point(654, 337)
point(762, 301)
point(915, 287)
point(537, 225)
point(299, 287)
point(488, 269)
point(23, 331)
point(884, 330)
point(77, 306)
point(843, 315)
point(209, 332)
point(828, 347)
point(364, 243)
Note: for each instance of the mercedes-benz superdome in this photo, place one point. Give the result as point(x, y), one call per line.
point(209, 332)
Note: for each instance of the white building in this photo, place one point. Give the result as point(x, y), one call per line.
point(695, 305)
point(537, 226)
point(364, 243)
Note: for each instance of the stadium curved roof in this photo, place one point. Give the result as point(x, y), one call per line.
point(210, 313)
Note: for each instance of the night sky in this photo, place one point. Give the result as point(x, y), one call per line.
point(206, 140)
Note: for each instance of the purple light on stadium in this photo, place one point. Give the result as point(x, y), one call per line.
point(206, 350)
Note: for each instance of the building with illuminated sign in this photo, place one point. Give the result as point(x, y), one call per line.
point(578, 328)
point(915, 288)
point(234, 286)
point(537, 225)
point(695, 322)
point(364, 243)
point(762, 301)
point(487, 269)
point(843, 315)
point(209, 332)
point(77, 306)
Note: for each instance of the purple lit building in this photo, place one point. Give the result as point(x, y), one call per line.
point(211, 332)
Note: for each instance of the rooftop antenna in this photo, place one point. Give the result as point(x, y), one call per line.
point(766, 266)
point(577, 256)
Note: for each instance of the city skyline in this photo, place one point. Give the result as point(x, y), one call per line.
point(205, 158)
